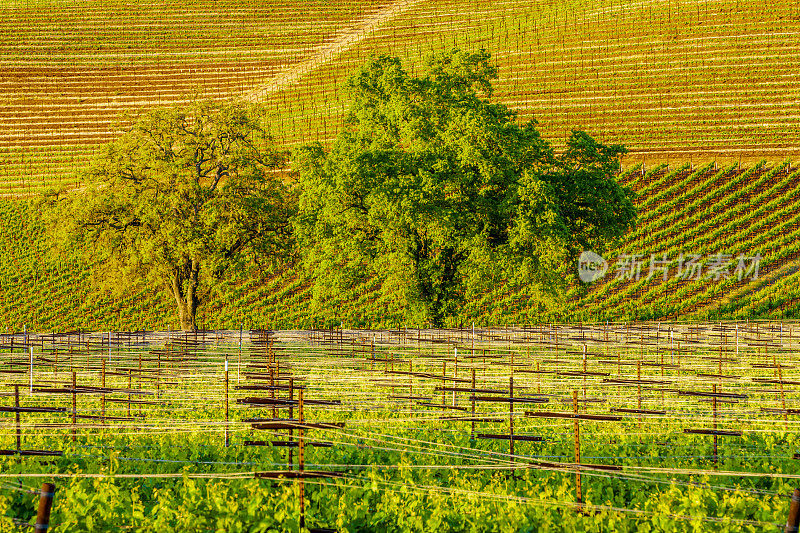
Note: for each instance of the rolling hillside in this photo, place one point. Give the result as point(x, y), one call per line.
point(708, 210)
point(699, 91)
point(674, 80)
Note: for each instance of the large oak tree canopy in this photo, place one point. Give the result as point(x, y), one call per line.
point(434, 188)
point(180, 198)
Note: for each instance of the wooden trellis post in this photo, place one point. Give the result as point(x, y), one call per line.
point(455, 371)
point(511, 416)
point(16, 417)
point(716, 437)
point(793, 520)
point(45, 504)
point(577, 417)
point(472, 432)
point(17, 409)
point(227, 440)
point(291, 417)
point(74, 406)
point(301, 465)
point(577, 438)
point(103, 381)
point(130, 391)
point(444, 377)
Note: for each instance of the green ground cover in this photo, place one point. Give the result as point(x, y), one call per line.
point(706, 210)
point(405, 466)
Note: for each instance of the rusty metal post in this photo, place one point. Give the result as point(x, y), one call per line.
point(272, 388)
point(74, 405)
point(585, 369)
point(455, 373)
point(410, 381)
point(639, 386)
point(714, 403)
point(783, 396)
point(45, 504)
point(662, 374)
point(103, 396)
point(158, 377)
point(444, 383)
point(291, 417)
point(510, 417)
point(227, 439)
point(793, 521)
point(239, 360)
point(555, 330)
point(472, 434)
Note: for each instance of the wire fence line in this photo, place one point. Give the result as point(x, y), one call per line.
point(418, 394)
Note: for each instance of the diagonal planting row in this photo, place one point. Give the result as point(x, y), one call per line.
point(663, 79)
point(610, 419)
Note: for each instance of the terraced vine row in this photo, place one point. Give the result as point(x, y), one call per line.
point(708, 211)
point(753, 212)
point(673, 82)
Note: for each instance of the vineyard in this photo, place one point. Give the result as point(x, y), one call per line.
point(699, 92)
point(709, 210)
point(662, 396)
point(674, 81)
point(551, 427)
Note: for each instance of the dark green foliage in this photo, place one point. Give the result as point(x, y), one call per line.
point(182, 197)
point(437, 190)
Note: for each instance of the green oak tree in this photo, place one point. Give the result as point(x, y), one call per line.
point(179, 199)
point(436, 189)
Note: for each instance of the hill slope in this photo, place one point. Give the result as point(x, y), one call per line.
point(706, 211)
point(674, 81)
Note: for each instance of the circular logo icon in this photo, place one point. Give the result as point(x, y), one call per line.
point(591, 266)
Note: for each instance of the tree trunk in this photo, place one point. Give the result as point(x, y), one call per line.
point(437, 279)
point(186, 315)
point(183, 286)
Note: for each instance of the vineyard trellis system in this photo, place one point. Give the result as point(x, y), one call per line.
point(668, 389)
point(670, 82)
